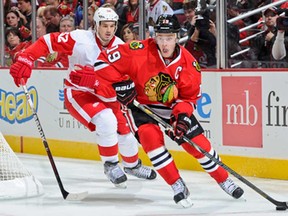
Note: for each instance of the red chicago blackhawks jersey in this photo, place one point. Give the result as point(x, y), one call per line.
point(155, 82)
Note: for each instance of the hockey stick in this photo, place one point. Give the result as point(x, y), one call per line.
point(66, 195)
point(279, 205)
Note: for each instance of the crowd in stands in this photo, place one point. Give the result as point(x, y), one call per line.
point(266, 44)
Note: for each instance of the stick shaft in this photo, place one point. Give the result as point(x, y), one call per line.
point(41, 132)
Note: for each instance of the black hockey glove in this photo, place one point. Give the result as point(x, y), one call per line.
point(126, 92)
point(180, 126)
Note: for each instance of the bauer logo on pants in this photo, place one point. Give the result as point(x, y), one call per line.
point(242, 111)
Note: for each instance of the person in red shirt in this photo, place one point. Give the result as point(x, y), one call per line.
point(168, 80)
point(132, 11)
point(13, 45)
point(64, 8)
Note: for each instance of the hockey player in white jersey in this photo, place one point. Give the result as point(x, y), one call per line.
point(110, 129)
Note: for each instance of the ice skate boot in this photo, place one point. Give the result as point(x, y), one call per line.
point(140, 171)
point(181, 194)
point(115, 174)
point(231, 188)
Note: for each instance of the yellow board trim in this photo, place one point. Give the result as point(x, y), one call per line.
point(246, 166)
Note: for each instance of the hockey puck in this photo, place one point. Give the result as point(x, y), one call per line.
point(281, 208)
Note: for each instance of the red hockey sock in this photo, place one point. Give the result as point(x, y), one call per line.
point(169, 173)
point(220, 175)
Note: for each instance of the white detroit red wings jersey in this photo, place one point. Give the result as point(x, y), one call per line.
point(159, 8)
point(143, 63)
point(81, 45)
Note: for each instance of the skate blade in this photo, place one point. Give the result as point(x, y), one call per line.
point(122, 185)
point(185, 203)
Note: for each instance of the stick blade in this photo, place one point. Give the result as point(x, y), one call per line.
point(76, 196)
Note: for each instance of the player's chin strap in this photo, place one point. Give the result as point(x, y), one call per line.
point(279, 205)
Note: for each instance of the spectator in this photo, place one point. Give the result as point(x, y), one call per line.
point(135, 31)
point(24, 8)
point(13, 20)
point(67, 24)
point(78, 14)
point(132, 11)
point(40, 27)
point(54, 3)
point(50, 27)
point(261, 45)
point(189, 11)
point(201, 41)
point(280, 46)
point(64, 8)
point(127, 34)
point(40, 12)
point(7, 5)
point(155, 8)
point(91, 24)
point(13, 45)
point(233, 37)
point(234, 11)
point(52, 16)
point(177, 4)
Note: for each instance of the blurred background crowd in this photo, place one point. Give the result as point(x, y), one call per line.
point(257, 36)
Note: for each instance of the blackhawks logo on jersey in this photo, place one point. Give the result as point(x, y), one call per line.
point(161, 88)
point(51, 57)
point(134, 45)
point(164, 8)
point(197, 66)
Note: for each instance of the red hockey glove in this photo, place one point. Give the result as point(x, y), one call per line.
point(180, 125)
point(22, 68)
point(125, 91)
point(83, 76)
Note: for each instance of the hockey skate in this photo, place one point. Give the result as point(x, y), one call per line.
point(115, 174)
point(231, 188)
point(140, 171)
point(181, 194)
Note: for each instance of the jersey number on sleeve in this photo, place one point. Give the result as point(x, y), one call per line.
point(113, 56)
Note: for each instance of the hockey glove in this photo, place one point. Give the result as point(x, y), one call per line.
point(22, 68)
point(83, 76)
point(180, 125)
point(125, 91)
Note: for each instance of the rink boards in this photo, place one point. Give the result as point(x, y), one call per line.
point(243, 113)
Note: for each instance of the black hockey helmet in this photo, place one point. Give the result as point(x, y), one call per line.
point(167, 23)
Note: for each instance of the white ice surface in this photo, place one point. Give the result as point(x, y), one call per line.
point(140, 198)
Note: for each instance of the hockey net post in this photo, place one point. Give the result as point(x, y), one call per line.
point(15, 180)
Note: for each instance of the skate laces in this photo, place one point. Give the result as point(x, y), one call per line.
point(179, 187)
point(228, 186)
point(142, 172)
point(139, 171)
point(113, 171)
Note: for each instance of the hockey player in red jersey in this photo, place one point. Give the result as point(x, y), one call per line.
point(167, 79)
point(83, 47)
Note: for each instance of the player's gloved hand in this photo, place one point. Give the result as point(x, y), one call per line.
point(180, 125)
point(125, 91)
point(22, 68)
point(83, 76)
